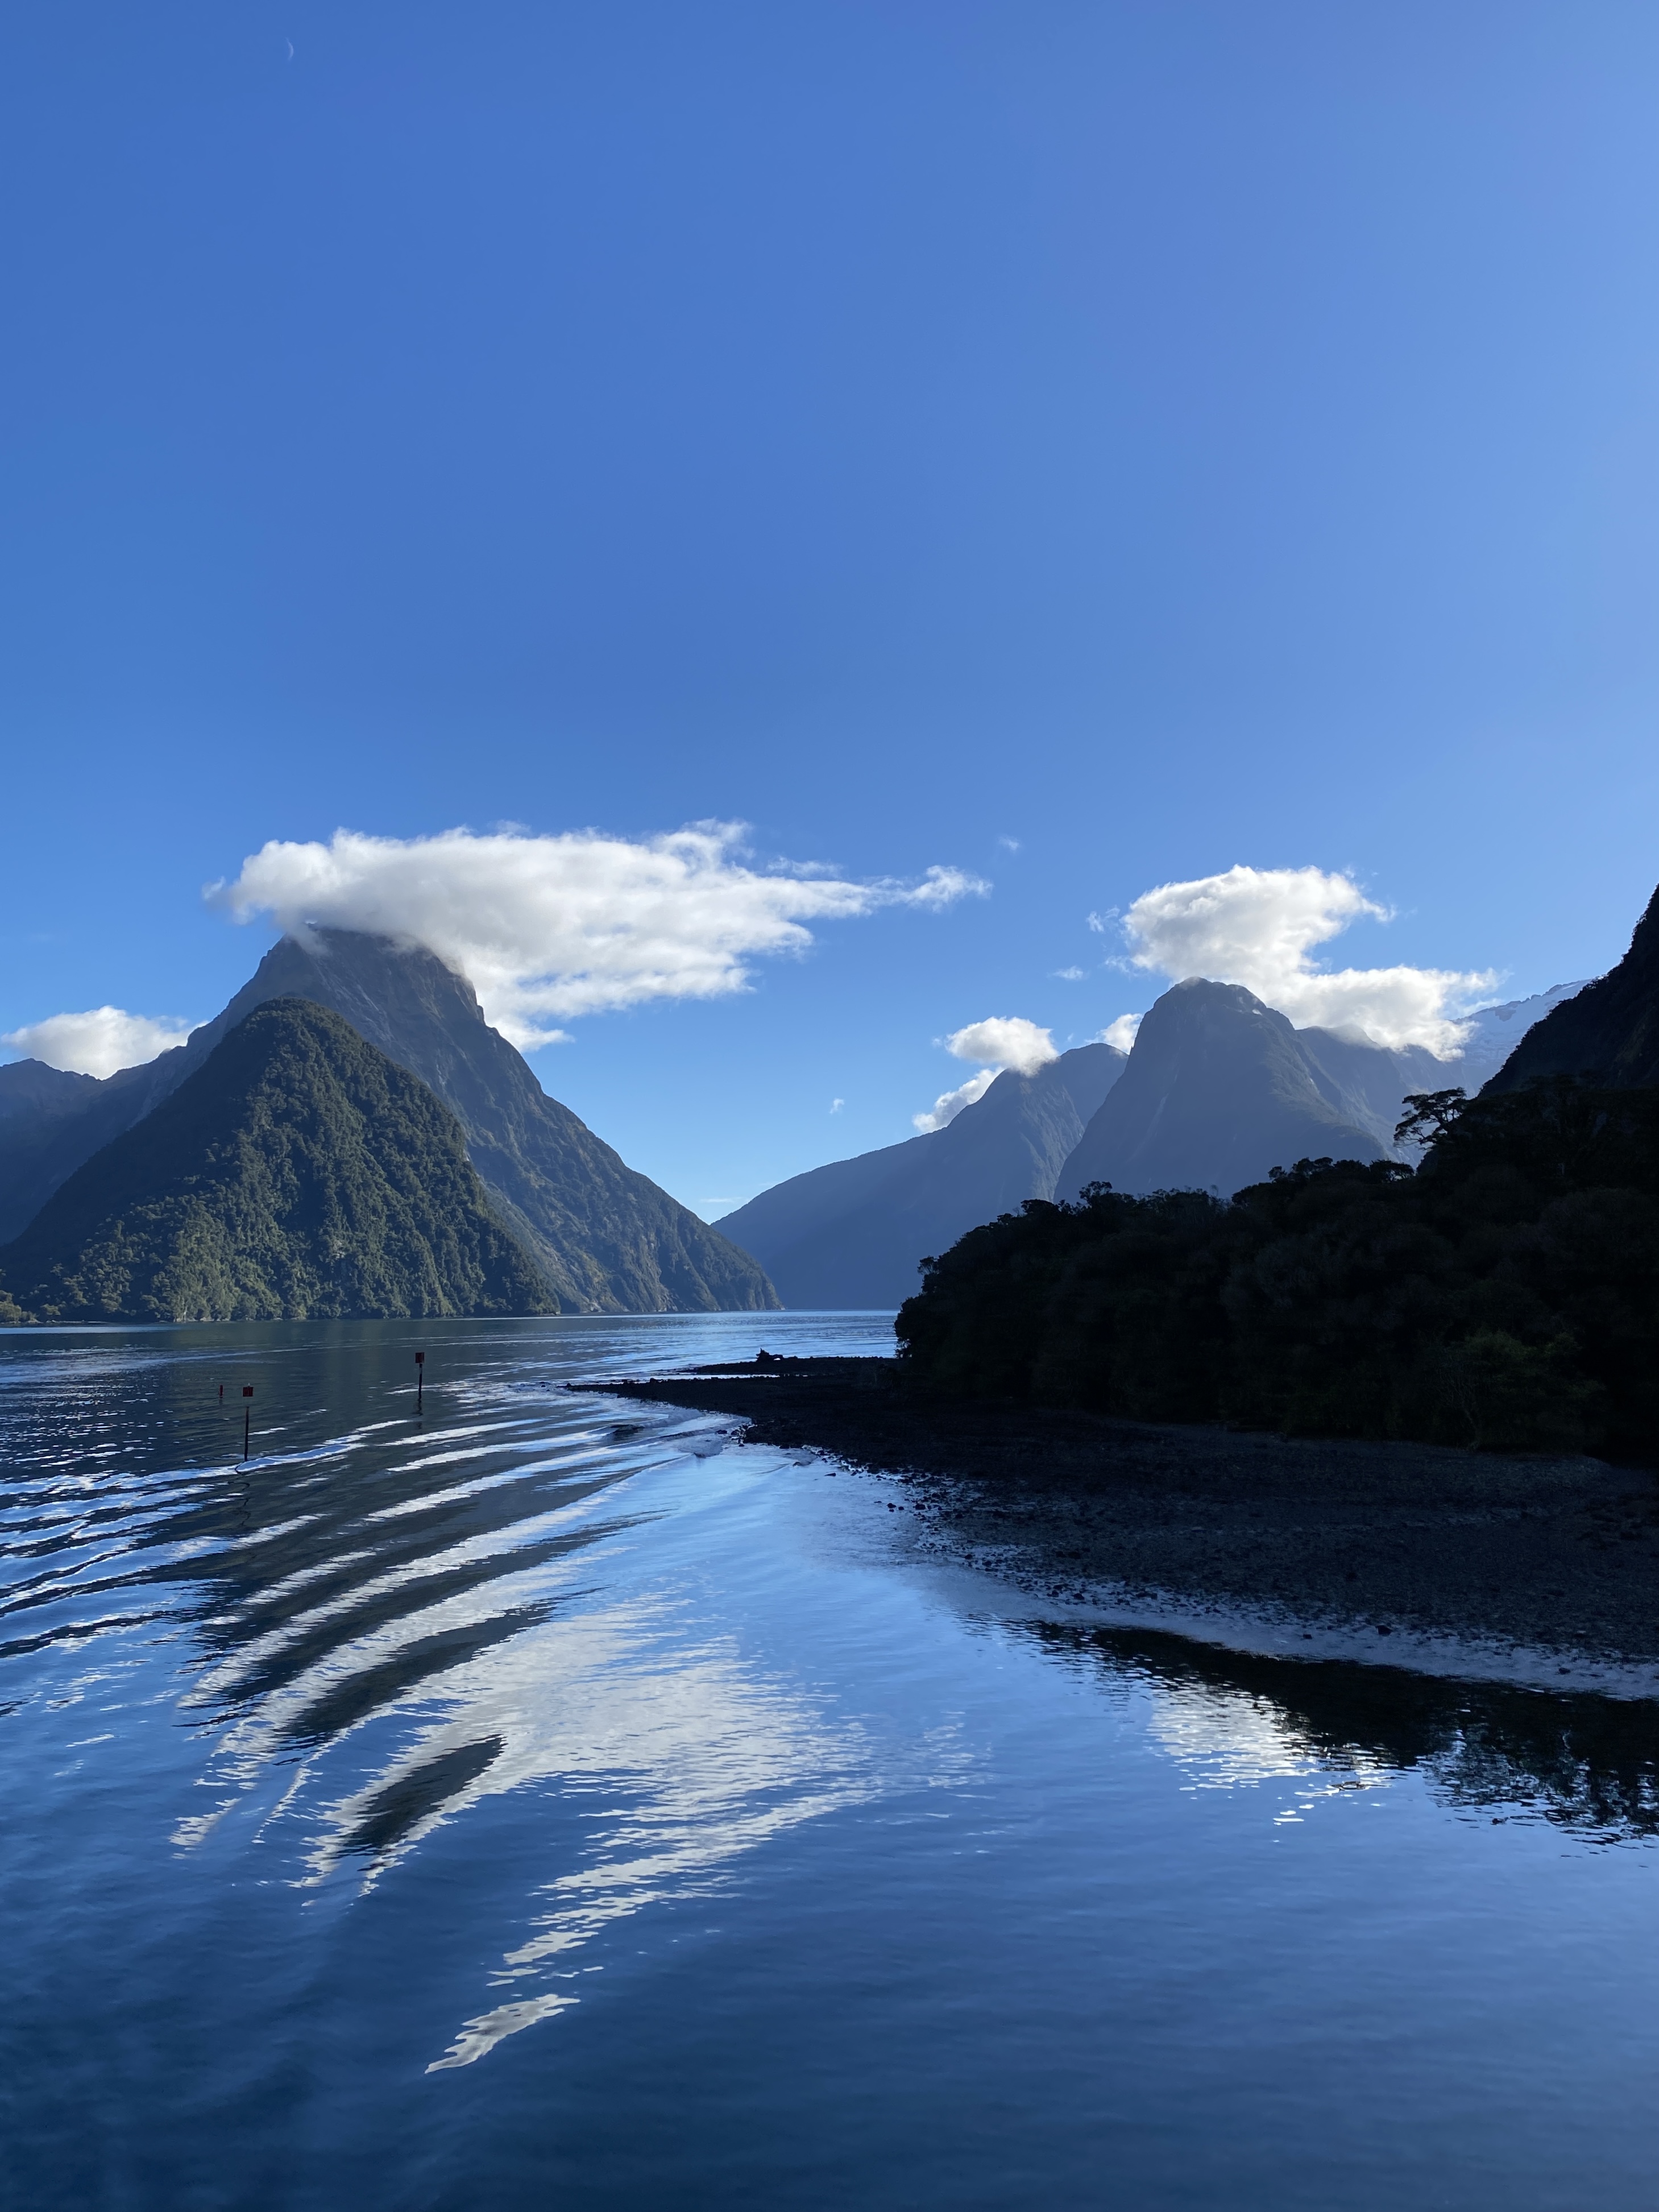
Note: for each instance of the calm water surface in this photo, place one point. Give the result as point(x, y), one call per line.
point(551, 1803)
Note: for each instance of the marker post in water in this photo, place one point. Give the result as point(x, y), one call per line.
point(420, 1382)
point(248, 1416)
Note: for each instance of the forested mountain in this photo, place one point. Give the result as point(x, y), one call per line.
point(1219, 1089)
point(1607, 1031)
point(606, 1238)
point(1503, 1296)
point(296, 1173)
point(853, 1234)
point(1493, 1032)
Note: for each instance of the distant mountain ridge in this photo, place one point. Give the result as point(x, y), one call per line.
point(1220, 1087)
point(853, 1233)
point(296, 1173)
point(29, 1090)
point(606, 1238)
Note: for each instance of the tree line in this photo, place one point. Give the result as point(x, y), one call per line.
point(1503, 1295)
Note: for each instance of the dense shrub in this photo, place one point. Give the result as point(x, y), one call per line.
point(1505, 1296)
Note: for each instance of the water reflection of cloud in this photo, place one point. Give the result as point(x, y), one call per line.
point(1229, 1739)
point(696, 1759)
point(379, 1629)
point(514, 1657)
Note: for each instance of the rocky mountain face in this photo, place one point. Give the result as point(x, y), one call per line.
point(1220, 1089)
point(1608, 1029)
point(853, 1234)
point(295, 1174)
point(606, 1239)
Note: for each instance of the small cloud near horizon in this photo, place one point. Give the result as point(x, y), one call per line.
point(1070, 974)
point(99, 1041)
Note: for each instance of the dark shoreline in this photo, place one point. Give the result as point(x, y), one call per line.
point(1558, 1556)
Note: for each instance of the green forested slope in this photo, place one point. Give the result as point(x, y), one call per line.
point(605, 1238)
point(298, 1174)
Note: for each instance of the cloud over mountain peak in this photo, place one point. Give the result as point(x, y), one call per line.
point(1259, 927)
point(546, 928)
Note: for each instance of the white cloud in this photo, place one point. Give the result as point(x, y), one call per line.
point(547, 927)
point(835, 1105)
point(1004, 1041)
point(98, 1041)
point(1070, 974)
point(1097, 922)
point(1258, 926)
point(950, 1103)
point(1121, 1034)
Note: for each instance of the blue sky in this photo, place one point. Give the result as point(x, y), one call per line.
point(1085, 446)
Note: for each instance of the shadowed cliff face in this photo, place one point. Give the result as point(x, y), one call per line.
point(1608, 1032)
point(853, 1234)
point(297, 1174)
point(1218, 1091)
point(605, 1238)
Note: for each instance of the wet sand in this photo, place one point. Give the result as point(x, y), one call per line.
point(1557, 1558)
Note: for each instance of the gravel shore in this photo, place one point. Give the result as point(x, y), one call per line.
point(1413, 1541)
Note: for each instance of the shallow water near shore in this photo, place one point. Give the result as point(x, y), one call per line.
point(551, 1801)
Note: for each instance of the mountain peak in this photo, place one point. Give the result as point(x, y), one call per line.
point(606, 1239)
point(296, 1173)
point(1219, 1089)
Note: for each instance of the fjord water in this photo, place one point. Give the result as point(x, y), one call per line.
point(553, 1801)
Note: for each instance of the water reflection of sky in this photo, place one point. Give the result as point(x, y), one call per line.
point(524, 1676)
point(595, 1670)
point(1223, 1740)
